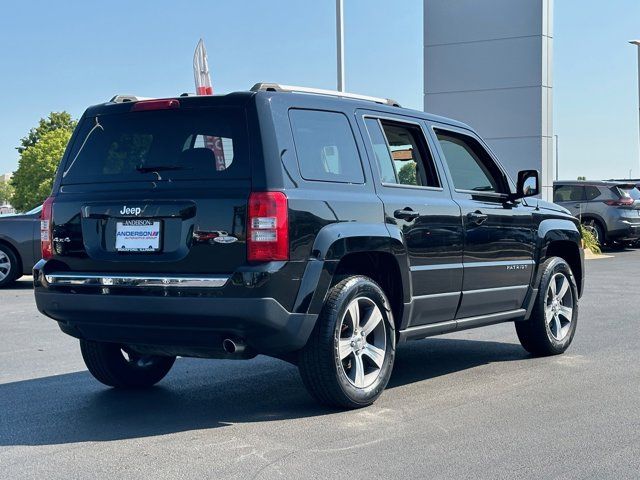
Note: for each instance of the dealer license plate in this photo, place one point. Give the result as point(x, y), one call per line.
point(138, 235)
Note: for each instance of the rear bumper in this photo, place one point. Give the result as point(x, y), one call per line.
point(189, 323)
point(624, 230)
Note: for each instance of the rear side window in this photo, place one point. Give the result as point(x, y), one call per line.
point(325, 146)
point(568, 193)
point(401, 153)
point(180, 144)
point(592, 192)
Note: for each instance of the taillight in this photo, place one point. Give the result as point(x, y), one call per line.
point(267, 227)
point(46, 243)
point(623, 202)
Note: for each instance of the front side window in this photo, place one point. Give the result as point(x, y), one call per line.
point(471, 167)
point(401, 153)
point(325, 146)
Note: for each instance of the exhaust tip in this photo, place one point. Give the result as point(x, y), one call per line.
point(229, 346)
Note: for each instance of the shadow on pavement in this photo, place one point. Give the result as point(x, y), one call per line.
point(201, 394)
point(25, 283)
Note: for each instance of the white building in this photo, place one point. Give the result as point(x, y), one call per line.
point(5, 207)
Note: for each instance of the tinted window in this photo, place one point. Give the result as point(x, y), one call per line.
point(166, 144)
point(381, 151)
point(592, 192)
point(470, 165)
point(633, 193)
point(401, 154)
point(568, 193)
point(325, 146)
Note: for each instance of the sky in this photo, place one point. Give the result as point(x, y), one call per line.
point(69, 55)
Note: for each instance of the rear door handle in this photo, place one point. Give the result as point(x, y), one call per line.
point(406, 214)
point(477, 217)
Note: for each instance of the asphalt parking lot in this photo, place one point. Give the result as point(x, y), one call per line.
point(467, 405)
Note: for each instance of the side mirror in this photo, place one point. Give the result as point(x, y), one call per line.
point(528, 184)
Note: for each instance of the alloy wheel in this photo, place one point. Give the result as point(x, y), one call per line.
point(362, 346)
point(559, 305)
point(5, 265)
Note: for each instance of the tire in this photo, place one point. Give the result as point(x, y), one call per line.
point(349, 366)
point(598, 231)
point(551, 327)
point(116, 367)
point(10, 269)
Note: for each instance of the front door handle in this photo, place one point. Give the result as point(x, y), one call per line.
point(477, 217)
point(406, 214)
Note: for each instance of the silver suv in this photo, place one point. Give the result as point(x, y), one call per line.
point(609, 209)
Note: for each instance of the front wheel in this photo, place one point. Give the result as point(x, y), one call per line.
point(117, 366)
point(349, 357)
point(552, 325)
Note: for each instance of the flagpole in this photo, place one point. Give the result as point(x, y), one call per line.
point(340, 44)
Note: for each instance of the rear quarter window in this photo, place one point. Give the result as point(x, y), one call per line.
point(325, 146)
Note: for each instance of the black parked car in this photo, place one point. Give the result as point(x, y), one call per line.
point(317, 227)
point(19, 245)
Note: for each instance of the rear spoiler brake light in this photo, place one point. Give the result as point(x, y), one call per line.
point(145, 105)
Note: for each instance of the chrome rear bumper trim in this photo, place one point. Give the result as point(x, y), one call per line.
point(160, 281)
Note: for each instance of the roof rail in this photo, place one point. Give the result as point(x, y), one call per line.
point(127, 98)
point(276, 87)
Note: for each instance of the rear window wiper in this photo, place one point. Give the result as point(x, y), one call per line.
point(158, 168)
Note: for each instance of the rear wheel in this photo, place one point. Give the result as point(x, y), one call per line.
point(117, 366)
point(349, 357)
point(552, 325)
point(9, 266)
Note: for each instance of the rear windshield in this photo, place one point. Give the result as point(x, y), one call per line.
point(634, 193)
point(177, 144)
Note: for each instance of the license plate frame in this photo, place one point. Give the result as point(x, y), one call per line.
point(138, 236)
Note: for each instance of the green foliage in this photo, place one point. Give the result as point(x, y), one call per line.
point(590, 241)
point(36, 169)
point(582, 178)
point(54, 121)
point(407, 174)
point(6, 191)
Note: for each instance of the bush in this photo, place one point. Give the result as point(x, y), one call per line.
point(589, 241)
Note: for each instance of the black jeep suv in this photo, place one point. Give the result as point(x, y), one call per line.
point(320, 228)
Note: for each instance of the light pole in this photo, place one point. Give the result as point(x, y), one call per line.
point(340, 43)
point(637, 44)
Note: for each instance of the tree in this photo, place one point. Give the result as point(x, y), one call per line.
point(54, 121)
point(407, 174)
point(33, 180)
point(6, 191)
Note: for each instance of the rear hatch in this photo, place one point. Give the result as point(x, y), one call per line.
point(154, 187)
point(627, 199)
